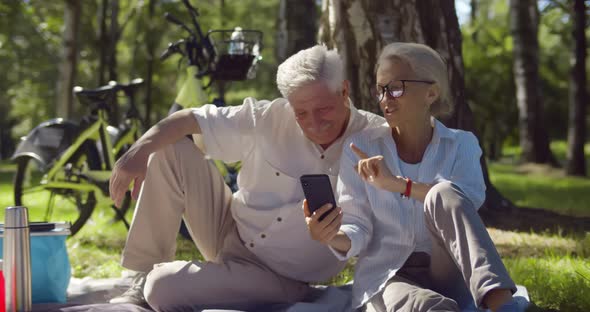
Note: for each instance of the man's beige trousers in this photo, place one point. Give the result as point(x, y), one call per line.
point(181, 183)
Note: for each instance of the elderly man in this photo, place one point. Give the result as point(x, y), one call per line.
point(255, 241)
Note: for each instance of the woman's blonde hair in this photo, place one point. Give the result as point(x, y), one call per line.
point(426, 64)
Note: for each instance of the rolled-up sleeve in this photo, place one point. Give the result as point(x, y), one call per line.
point(228, 131)
point(466, 172)
point(352, 198)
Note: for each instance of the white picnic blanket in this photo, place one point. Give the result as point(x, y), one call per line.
point(89, 294)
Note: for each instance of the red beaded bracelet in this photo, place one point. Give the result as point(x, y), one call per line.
point(408, 191)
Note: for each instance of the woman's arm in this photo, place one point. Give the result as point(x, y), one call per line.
point(398, 184)
point(374, 171)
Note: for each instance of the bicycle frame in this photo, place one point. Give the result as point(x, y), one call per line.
point(192, 93)
point(96, 132)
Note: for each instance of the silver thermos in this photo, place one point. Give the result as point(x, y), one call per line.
point(17, 260)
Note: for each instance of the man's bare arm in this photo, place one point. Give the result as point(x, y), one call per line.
point(132, 166)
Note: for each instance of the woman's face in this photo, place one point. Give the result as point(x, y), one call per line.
point(413, 106)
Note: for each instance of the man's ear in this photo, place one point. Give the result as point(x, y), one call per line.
point(432, 94)
point(345, 88)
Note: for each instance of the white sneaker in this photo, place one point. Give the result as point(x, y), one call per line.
point(134, 294)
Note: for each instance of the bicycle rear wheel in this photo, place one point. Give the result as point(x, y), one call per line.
point(56, 204)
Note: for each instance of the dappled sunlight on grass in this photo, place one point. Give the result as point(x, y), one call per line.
point(542, 189)
point(511, 154)
point(512, 244)
point(557, 282)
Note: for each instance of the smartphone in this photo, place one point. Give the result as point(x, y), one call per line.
point(318, 192)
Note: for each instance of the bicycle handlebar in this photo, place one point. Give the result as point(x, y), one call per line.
point(229, 55)
point(172, 19)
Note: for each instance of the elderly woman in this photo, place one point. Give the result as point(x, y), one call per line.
point(409, 192)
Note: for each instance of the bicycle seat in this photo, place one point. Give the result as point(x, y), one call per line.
point(131, 87)
point(93, 96)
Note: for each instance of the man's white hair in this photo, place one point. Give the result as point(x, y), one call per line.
point(310, 65)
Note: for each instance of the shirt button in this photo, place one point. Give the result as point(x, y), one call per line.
point(277, 173)
point(322, 157)
point(263, 235)
point(279, 219)
point(251, 244)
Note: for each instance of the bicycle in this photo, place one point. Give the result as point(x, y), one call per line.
point(67, 165)
point(74, 161)
point(220, 55)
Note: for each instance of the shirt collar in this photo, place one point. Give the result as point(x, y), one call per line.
point(351, 119)
point(440, 131)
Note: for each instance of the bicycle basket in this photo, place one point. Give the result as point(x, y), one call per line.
point(237, 53)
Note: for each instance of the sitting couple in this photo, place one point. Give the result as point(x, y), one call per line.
point(426, 250)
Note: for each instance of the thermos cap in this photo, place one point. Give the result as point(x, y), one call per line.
point(16, 217)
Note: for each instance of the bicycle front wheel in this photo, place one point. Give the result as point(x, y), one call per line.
point(56, 204)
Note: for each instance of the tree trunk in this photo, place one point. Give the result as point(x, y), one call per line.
point(69, 60)
point(221, 84)
point(297, 27)
point(103, 43)
point(576, 163)
point(113, 40)
point(524, 25)
point(112, 58)
point(474, 8)
point(359, 29)
point(151, 52)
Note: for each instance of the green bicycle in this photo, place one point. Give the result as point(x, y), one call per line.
point(63, 167)
point(221, 55)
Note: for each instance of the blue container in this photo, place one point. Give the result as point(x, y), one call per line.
point(50, 265)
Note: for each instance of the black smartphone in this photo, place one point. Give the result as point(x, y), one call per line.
point(318, 192)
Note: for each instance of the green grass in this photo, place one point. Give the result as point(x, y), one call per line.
point(553, 267)
point(558, 147)
point(542, 187)
point(555, 282)
point(6, 172)
point(96, 250)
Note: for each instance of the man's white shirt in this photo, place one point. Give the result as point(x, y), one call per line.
point(274, 152)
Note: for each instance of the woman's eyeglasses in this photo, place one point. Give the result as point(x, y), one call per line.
point(395, 88)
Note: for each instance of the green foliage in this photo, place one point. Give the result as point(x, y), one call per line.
point(487, 53)
point(555, 40)
point(31, 43)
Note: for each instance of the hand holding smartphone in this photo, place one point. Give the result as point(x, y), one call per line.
point(318, 192)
